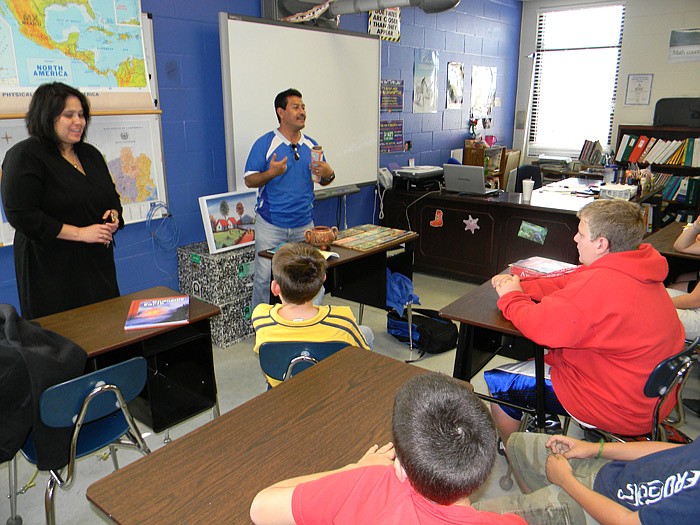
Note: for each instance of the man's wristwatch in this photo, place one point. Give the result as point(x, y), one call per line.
point(329, 179)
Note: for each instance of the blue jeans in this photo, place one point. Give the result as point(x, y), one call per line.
point(267, 236)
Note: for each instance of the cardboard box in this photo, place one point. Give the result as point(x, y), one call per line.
point(224, 279)
point(218, 278)
point(233, 325)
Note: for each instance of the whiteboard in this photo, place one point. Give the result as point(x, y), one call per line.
point(337, 73)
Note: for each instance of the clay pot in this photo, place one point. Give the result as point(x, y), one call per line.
point(321, 236)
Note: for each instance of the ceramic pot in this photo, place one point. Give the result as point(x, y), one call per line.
point(321, 236)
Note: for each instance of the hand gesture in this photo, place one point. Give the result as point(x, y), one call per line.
point(558, 469)
point(572, 448)
point(111, 219)
point(377, 455)
point(96, 233)
point(277, 167)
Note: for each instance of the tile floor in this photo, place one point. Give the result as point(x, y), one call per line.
point(239, 379)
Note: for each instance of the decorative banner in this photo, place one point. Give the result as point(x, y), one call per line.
point(455, 85)
point(684, 46)
point(391, 96)
point(390, 136)
point(483, 94)
point(386, 23)
point(425, 90)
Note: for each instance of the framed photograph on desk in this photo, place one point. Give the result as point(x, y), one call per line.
point(229, 220)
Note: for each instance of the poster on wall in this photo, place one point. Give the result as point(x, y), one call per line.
point(638, 89)
point(684, 46)
point(97, 47)
point(425, 89)
point(455, 85)
point(391, 136)
point(386, 23)
point(391, 96)
point(483, 95)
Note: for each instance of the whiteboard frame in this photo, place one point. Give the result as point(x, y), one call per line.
point(343, 130)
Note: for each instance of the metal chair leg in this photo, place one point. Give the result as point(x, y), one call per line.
point(49, 506)
point(14, 518)
point(113, 453)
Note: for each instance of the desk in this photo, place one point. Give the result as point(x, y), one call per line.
point(678, 262)
point(323, 418)
point(181, 380)
point(361, 276)
point(484, 332)
point(483, 246)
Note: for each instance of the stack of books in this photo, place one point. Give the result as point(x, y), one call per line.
point(540, 267)
point(591, 152)
point(681, 189)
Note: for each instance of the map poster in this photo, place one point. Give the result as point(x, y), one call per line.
point(390, 136)
point(391, 96)
point(133, 152)
point(96, 46)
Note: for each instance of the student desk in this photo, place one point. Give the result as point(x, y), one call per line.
point(484, 332)
point(678, 262)
point(180, 381)
point(322, 419)
point(361, 276)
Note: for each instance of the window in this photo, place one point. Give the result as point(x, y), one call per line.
point(574, 84)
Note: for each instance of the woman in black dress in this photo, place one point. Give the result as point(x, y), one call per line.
point(60, 198)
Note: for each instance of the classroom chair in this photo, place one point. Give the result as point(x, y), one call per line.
point(281, 360)
point(527, 171)
point(95, 406)
point(666, 380)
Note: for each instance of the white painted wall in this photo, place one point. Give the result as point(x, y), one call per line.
point(648, 25)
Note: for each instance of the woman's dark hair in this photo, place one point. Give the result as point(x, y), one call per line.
point(47, 104)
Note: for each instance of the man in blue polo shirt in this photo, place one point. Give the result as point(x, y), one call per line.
point(280, 166)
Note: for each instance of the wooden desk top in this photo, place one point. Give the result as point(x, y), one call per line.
point(99, 328)
point(321, 419)
point(347, 255)
point(664, 238)
point(478, 308)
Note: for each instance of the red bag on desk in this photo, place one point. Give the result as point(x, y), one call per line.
point(431, 333)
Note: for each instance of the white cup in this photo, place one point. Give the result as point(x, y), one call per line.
point(528, 185)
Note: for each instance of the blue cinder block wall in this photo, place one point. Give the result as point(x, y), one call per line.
point(476, 32)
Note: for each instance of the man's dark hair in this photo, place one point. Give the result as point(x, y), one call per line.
point(47, 104)
point(444, 437)
point(281, 99)
point(299, 270)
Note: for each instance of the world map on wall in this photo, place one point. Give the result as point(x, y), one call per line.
point(87, 43)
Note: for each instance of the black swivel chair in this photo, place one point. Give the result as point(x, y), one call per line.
point(527, 171)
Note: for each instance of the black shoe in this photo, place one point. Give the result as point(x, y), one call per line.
point(692, 405)
point(552, 425)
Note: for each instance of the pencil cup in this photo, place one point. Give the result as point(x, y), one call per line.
point(528, 185)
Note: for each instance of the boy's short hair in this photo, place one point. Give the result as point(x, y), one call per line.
point(620, 222)
point(444, 437)
point(299, 270)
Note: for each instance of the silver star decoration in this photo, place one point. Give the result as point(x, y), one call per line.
point(471, 224)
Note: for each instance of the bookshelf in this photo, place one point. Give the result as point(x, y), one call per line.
point(671, 207)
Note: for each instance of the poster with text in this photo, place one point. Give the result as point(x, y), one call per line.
point(391, 96)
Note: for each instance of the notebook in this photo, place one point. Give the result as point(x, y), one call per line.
point(466, 179)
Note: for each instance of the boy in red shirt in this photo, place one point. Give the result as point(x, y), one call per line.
point(443, 450)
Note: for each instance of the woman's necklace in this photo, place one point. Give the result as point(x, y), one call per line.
point(74, 162)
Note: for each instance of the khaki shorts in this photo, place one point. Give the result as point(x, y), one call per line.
point(547, 504)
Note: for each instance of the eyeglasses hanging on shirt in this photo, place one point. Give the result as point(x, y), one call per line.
point(295, 147)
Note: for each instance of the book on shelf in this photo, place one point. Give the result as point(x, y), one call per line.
point(638, 149)
point(621, 148)
point(540, 267)
point(690, 147)
point(158, 311)
point(647, 149)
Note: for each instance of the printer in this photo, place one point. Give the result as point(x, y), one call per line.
point(418, 178)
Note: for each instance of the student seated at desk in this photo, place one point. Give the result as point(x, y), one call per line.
point(444, 445)
point(299, 271)
point(607, 324)
point(608, 483)
point(685, 292)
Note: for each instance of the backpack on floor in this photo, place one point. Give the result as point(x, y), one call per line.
point(431, 333)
